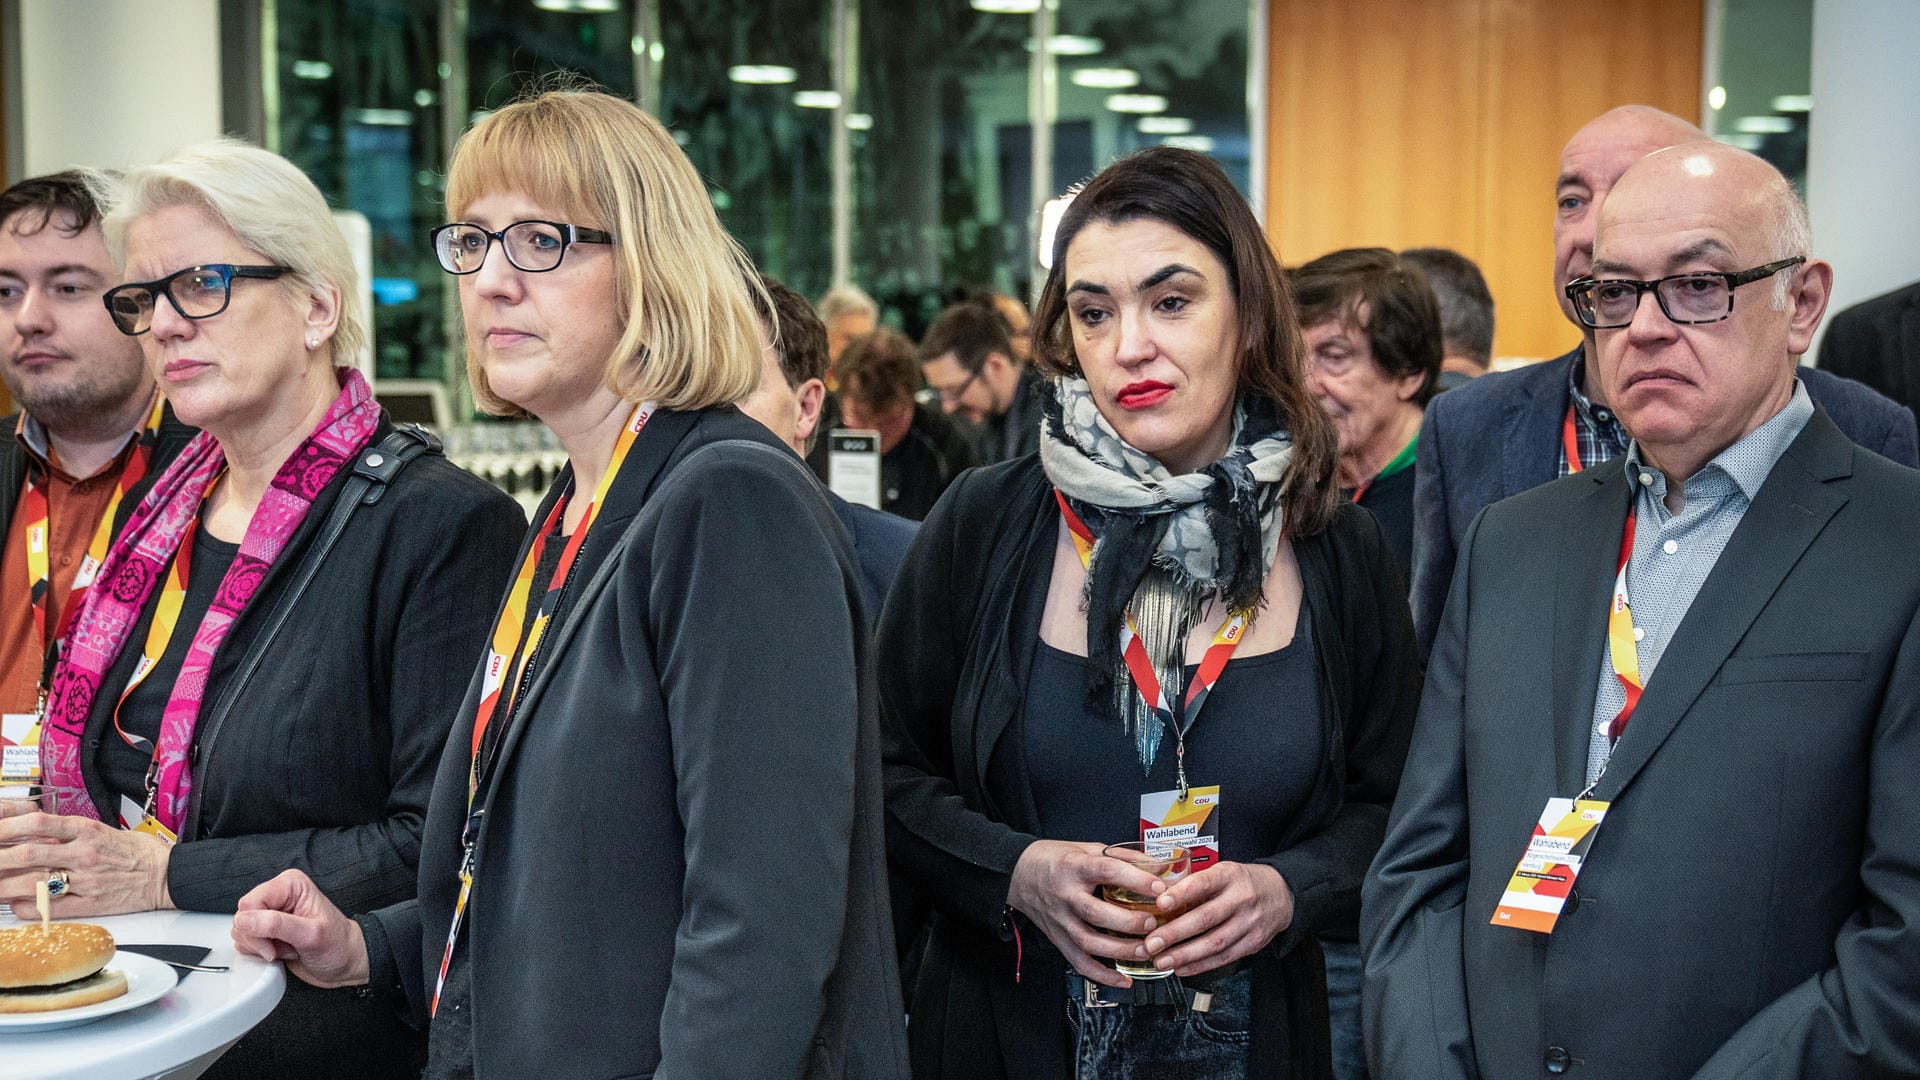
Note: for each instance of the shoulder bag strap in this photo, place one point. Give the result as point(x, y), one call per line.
point(373, 471)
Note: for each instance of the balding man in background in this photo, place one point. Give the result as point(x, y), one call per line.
point(1466, 313)
point(1510, 431)
point(1713, 640)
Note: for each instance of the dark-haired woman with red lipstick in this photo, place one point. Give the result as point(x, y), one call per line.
point(1167, 623)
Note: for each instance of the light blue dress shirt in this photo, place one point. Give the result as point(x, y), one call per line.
point(1674, 553)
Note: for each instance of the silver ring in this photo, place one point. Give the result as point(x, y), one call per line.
point(56, 884)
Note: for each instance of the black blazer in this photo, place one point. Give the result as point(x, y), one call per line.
point(326, 759)
point(1877, 342)
point(1501, 434)
point(956, 640)
point(171, 439)
point(681, 872)
point(1751, 904)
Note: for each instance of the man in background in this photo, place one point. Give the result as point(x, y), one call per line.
point(921, 449)
point(88, 430)
point(1466, 313)
point(787, 401)
point(969, 359)
point(1510, 431)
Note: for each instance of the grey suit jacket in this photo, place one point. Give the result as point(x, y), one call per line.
point(1877, 341)
point(1751, 905)
point(682, 867)
point(1501, 435)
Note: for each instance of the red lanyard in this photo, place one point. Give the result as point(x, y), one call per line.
point(1620, 640)
point(1570, 442)
point(35, 520)
point(1140, 667)
point(497, 696)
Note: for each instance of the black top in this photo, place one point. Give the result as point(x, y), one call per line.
point(954, 642)
point(450, 1037)
point(1390, 499)
point(1258, 737)
point(124, 767)
point(920, 466)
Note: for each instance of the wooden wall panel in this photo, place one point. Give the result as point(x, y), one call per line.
point(1415, 122)
point(1365, 99)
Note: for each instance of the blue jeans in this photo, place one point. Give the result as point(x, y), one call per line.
point(1163, 1041)
point(1343, 1009)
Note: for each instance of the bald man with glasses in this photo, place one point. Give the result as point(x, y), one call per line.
point(1658, 818)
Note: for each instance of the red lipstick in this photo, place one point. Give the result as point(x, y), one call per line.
point(1144, 394)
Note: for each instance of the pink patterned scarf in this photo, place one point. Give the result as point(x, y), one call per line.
point(137, 564)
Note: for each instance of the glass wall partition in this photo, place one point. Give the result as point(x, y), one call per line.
point(944, 128)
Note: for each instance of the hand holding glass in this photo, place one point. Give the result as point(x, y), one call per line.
point(1164, 861)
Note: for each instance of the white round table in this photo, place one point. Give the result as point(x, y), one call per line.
point(176, 1037)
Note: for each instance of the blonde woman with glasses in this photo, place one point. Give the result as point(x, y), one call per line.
point(655, 841)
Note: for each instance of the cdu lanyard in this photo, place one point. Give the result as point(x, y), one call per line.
point(1620, 643)
point(39, 538)
point(513, 651)
point(1140, 667)
point(1621, 647)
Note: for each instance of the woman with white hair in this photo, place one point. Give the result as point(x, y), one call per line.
point(260, 681)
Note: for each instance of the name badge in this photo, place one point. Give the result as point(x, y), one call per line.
point(1191, 821)
point(19, 747)
point(135, 819)
point(1539, 888)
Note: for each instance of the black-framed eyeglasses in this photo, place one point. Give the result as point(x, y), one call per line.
point(533, 246)
point(1700, 297)
point(952, 393)
point(198, 292)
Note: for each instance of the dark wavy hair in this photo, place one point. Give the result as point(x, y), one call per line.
point(1384, 296)
point(1190, 192)
point(61, 200)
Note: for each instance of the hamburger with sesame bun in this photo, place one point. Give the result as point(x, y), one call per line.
point(59, 966)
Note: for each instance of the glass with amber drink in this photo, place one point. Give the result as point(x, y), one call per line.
point(1168, 862)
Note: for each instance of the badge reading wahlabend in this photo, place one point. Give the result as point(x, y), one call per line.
point(1547, 871)
point(1191, 821)
point(19, 748)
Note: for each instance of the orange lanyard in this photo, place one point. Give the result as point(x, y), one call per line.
point(39, 535)
point(1570, 442)
point(1620, 642)
point(510, 651)
point(1140, 667)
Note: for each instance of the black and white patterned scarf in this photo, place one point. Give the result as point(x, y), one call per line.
point(1163, 544)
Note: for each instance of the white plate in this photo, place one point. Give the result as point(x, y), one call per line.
point(147, 981)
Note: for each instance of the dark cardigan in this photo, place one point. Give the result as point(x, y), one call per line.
point(681, 871)
point(326, 760)
point(956, 640)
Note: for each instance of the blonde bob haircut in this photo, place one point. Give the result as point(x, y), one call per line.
point(691, 340)
point(266, 202)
